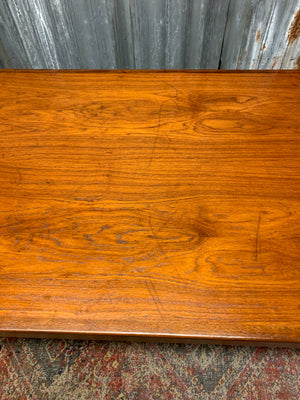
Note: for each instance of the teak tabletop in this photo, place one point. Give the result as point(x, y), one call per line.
point(150, 205)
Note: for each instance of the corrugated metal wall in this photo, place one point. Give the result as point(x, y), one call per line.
point(149, 34)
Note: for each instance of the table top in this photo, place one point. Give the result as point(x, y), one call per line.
point(150, 205)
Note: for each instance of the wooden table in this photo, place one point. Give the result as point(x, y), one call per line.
point(150, 205)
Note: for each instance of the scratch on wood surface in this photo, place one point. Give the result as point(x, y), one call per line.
point(155, 297)
point(196, 267)
point(155, 235)
point(157, 133)
point(192, 266)
point(174, 98)
point(19, 176)
point(163, 252)
point(256, 238)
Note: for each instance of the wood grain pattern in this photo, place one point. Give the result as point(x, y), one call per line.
point(150, 205)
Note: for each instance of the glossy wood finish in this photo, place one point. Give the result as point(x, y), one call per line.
point(150, 205)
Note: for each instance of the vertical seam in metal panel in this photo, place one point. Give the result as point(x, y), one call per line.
point(187, 20)
point(18, 30)
point(3, 56)
point(114, 61)
point(119, 59)
point(166, 59)
point(133, 38)
point(73, 32)
point(164, 35)
point(95, 33)
point(223, 39)
point(265, 36)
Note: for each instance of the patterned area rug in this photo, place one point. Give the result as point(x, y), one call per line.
point(67, 369)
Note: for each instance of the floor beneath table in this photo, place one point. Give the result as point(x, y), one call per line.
point(68, 369)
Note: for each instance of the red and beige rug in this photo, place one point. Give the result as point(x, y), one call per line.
point(66, 369)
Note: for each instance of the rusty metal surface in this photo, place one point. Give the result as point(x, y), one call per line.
point(150, 34)
point(262, 35)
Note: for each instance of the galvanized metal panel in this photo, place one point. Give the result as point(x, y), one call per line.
point(206, 26)
point(150, 34)
point(89, 25)
point(113, 34)
point(58, 33)
point(26, 36)
point(257, 33)
point(139, 32)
